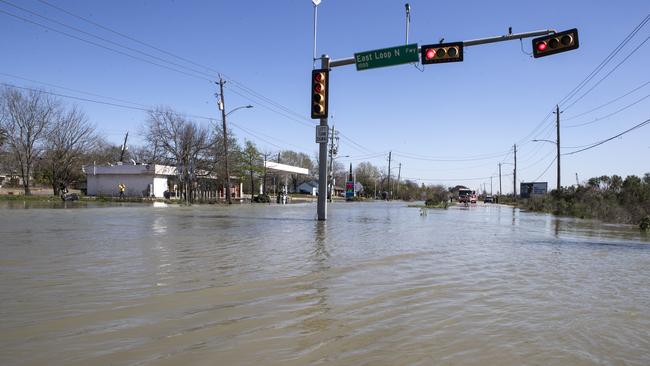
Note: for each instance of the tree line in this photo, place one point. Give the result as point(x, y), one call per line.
point(44, 141)
point(608, 198)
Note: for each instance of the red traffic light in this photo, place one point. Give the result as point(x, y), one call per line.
point(556, 43)
point(319, 87)
point(441, 52)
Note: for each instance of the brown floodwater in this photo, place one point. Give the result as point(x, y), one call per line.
point(377, 284)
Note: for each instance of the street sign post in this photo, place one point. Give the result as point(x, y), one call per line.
point(322, 133)
point(387, 57)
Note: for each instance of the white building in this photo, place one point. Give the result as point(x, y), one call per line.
point(141, 180)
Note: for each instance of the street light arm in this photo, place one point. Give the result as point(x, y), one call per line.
point(542, 140)
point(238, 108)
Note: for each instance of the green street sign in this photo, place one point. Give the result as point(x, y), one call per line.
point(387, 57)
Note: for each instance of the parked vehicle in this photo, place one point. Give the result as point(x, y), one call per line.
point(488, 199)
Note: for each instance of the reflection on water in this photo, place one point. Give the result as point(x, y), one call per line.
point(376, 284)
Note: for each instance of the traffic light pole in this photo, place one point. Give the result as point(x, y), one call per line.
point(327, 64)
point(473, 42)
point(322, 160)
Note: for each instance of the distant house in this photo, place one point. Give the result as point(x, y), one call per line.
point(141, 180)
point(310, 187)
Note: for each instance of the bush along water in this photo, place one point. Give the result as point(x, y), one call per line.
point(611, 199)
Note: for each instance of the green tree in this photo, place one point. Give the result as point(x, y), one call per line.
point(250, 159)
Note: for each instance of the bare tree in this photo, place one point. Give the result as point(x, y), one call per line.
point(25, 118)
point(180, 142)
point(67, 140)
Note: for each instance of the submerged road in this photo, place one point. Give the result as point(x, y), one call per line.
point(376, 284)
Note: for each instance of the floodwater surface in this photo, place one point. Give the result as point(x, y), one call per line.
point(377, 284)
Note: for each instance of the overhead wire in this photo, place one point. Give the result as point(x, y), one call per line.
point(605, 61)
point(215, 71)
point(596, 144)
point(103, 46)
point(608, 115)
point(145, 109)
point(606, 103)
point(606, 75)
point(545, 170)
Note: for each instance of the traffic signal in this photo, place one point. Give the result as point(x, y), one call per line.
point(442, 52)
point(555, 43)
point(319, 93)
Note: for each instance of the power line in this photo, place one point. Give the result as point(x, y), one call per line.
point(233, 81)
point(607, 103)
point(453, 179)
point(107, 40)
point(448, 159)
point(605, 61)
point(102, 46)
point(591, 75)
point(143, 110)
point(208, 77)
point(545, 170)
point(606, 75)
point(647, 121)
point(77, 98)
point(73, 90)
point(609, 115)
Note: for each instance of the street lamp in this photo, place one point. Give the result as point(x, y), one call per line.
point(225, 140)
point(244, 106)
point(557, 143)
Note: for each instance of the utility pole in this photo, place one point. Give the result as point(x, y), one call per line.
point(557, 125)
point(514, 180)
point(222, 106)
point(331, 172)
point(490, 185)
point(500, 190)
point(389, 190)
point(124, 147)
point(399, 173)
point(577, 181)
point(321, 209)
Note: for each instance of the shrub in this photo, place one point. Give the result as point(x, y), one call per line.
point(262, 198)
point(645, 224)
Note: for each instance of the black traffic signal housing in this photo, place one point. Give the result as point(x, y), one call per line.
point(441, 52)
point(556, 43)
point(319, 93)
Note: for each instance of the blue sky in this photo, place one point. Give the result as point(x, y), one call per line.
point(475, 110)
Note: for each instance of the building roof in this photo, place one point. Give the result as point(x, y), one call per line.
point(129, 169)
point(283, 168)
point(311, 183)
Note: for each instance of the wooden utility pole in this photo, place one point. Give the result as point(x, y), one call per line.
point(557, 126)
point(500, 190)
point(390, 192)
point(399, 174)
point(222, 106)
point(331, 170)
point(514, 179)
